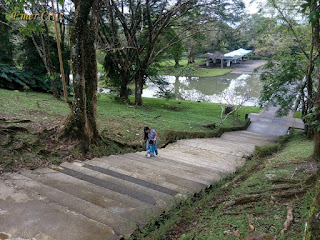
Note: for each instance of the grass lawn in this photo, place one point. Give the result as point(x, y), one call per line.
point(118, 122)
point(167, 68)
point(256, 197)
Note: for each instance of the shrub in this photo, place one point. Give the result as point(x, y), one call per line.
point(172, 136)
point(14, 78)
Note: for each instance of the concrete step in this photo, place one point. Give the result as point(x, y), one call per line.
point(133, 210)
point(164, 167)
point(78, 206)
point(130, 189)
point(27, 215)
point(211, 156)
point(181, 169)
point(245, 136)
point(174, 175)
point(270, 128)
point(148, 170)
point(215, 162)
point(216, 145)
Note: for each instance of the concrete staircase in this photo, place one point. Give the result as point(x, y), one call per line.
point(108, 197)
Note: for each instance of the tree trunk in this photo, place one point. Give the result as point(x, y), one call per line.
point(81, 124)
point(176, 63)
point(44, 53)
point(191, 57)
point(48, 62)
point(91, 71)
point(124, 94)
point(139, 80)
point(316, 148)
point(313, 224)
point(309, 130)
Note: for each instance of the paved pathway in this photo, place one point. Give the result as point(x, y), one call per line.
point(248, 66)
point(108, 197)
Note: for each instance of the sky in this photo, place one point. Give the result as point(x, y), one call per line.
point(252, 5)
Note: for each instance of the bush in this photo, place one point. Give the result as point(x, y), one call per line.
point(267, 150)
point(16, 79)
point(172, 136)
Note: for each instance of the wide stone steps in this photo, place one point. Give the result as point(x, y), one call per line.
point(117, 204)
point(165, 179)
point(26, 214)
point(255, 138)
point(109, 197)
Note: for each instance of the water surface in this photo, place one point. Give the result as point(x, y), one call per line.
point(230, 88)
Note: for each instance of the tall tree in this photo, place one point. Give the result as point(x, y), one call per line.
point(6, 46)
point(135, 36)
point(314, 17)
point(81, 124)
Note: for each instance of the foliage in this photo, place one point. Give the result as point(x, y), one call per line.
point(6, 45)
point(14, 78)
point(282, 79)
point(29, 59)
point(147, 32)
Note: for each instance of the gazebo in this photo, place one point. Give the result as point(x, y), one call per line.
point(233, 56)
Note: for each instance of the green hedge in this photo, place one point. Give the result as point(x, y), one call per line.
point(267, 150)
point(173, 136)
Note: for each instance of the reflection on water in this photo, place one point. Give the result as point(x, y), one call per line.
point(229, 88)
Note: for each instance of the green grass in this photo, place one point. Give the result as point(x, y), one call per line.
point(167, 68)
point(210, 217)
point(121, 123)
point(297, 114)
point(124, 122)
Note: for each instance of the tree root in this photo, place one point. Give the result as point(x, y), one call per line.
point(258, 197)
point(11, 129)
point(253, 213)
point(245, 200)
point(289, 219)
point(289, 194)
point(284, 180)
point(14, 121)
point(277, 188)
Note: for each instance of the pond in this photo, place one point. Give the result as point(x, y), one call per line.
point(230, 88)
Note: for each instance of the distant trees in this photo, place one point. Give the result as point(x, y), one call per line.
point(136, 38)
point(39, 34)
point(292, 78)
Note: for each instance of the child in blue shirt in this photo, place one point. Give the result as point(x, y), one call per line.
point(151, 149)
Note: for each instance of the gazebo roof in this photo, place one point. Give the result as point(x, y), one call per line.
point(215, 54)
point(238, 53)
point(231, 55)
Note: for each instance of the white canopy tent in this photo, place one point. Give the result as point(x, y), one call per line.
point(233, 56)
